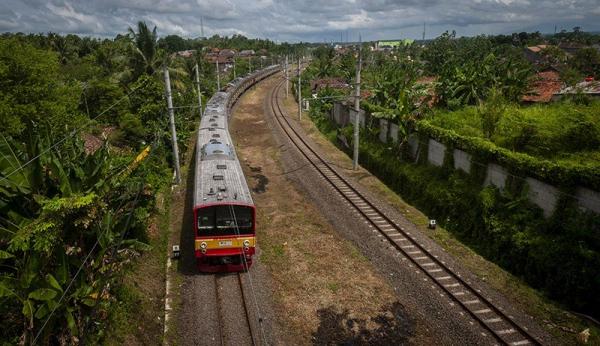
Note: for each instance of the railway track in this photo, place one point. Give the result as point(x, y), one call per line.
point(492, 319)
point(230, 320)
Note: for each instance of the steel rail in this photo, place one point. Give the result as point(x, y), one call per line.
point(246, 310)
point(480, 309)
point(220, 302)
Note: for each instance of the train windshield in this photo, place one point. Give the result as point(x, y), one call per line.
point(225, 220)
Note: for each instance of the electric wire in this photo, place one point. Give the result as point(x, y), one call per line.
point(73, 133)
point(65, 291)
point(85, 261)
point(247, 270)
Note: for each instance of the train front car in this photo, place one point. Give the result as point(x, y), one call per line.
point(224, 214)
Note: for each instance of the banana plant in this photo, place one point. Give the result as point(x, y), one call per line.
point(59, 223)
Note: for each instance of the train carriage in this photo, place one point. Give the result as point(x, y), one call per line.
point(224, 213)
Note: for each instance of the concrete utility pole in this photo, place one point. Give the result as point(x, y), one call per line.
point(287, 78)
point(198, 90)
point(357, 107)
point(234, 68)
point(172, 125)
point(218, 76)
point(299, 91)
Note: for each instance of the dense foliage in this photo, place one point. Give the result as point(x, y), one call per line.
point(468, 68)
point(84, 152)
point(564, 132)
point(477, 83)
point(558, 255)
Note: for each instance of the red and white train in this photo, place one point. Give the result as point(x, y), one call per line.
point(224, 213)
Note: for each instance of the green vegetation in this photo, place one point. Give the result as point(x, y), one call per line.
point(559, 256)
point(84, 153)
point(469, 101)
point(564, 132)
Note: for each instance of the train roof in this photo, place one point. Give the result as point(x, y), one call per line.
point(219, 178)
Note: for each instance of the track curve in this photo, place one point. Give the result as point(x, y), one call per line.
point(499, 325)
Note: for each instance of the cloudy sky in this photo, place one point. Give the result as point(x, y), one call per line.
point(294, 20)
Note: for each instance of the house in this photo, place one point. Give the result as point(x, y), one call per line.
point(544, 85)
point(533, 53)
point(571, 48)
point(185, 53)
point(246, 53)
point(229, 53)
point(392, 44)
point(335, 83)
point(225, 62)
point(587, 87)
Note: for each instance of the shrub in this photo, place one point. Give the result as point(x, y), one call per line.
point(132, 127)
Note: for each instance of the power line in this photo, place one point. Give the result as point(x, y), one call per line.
point(245, 264)
point(73, 133)
point(89, 254)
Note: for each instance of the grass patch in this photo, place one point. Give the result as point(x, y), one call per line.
point(563, 131)
point(333, 287)
point(273, 253)
point(137, 317)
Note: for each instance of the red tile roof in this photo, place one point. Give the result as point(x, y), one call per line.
point(336, 83)
point(543, 87)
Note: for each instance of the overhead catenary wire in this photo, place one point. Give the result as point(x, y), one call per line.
point(247, 270)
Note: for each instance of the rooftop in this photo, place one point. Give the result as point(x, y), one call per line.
point(543, 87)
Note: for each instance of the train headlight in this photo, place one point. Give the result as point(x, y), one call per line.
point(203, 246)
point(246, 243)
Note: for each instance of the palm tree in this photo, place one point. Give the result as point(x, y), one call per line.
point(146, 56)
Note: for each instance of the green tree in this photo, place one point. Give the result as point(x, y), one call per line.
point(587, 61)
point(173, 43)
point(146, 56)
point(32, 93)
point(491, 112)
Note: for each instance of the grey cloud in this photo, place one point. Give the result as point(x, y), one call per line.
point(294, 20)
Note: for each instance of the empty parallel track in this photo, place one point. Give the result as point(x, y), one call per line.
point(491, 318)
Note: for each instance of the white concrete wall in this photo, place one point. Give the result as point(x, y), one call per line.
point(394, 132)
point(496, 175)
point(462, 160)
point(436, 152)
point(383, 125)
point(340, 114)
point(543, 195)
point(413, 145)
point(361, 117)
point(588, 199)
point(337, 110)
